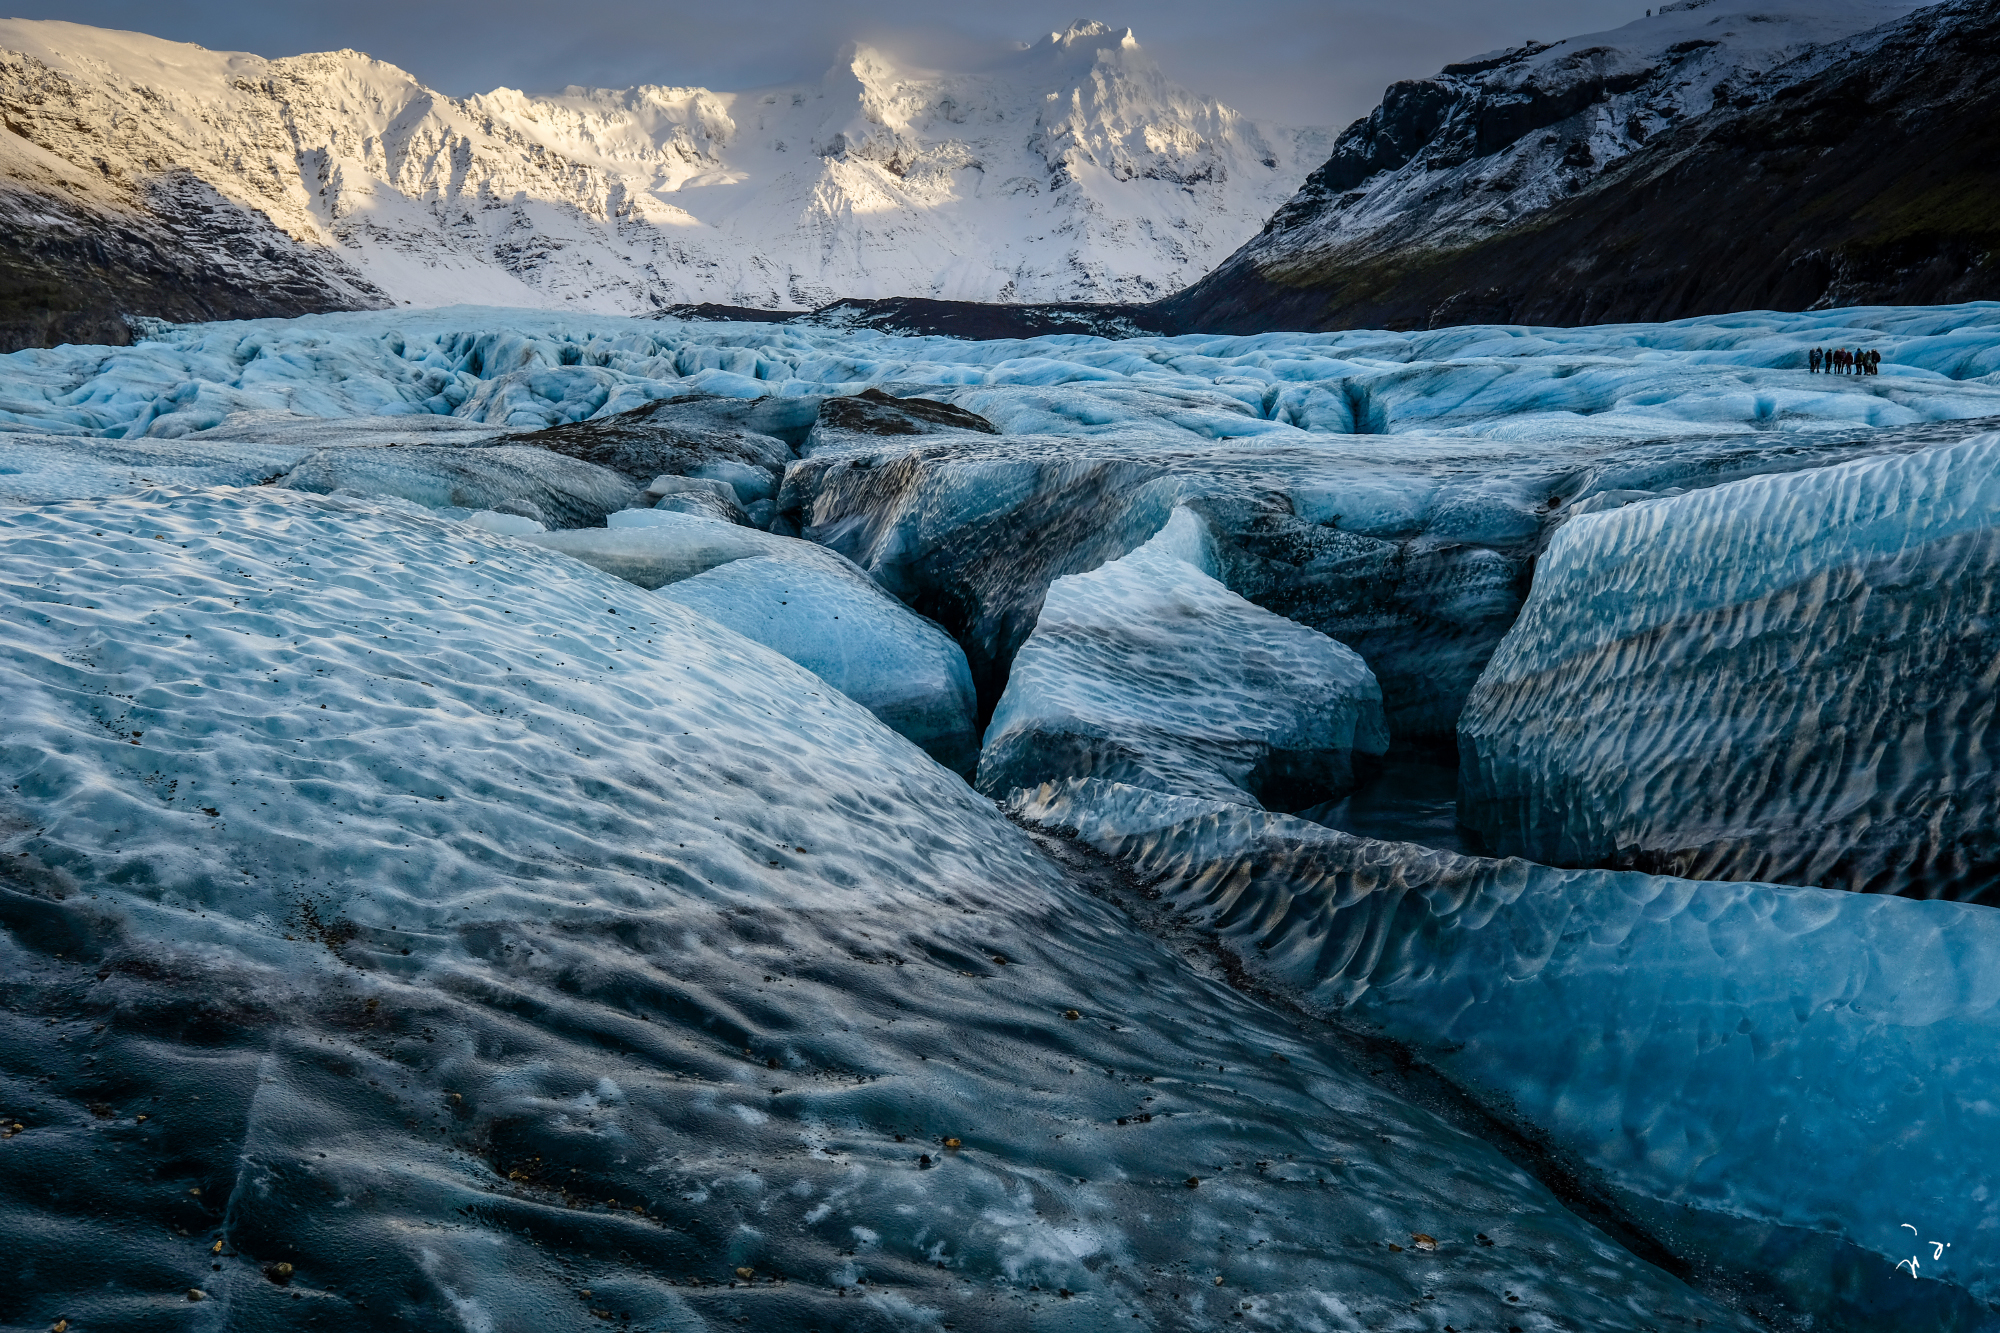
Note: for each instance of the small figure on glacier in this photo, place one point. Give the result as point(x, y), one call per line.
point(1875, 361)
point(1812, 361)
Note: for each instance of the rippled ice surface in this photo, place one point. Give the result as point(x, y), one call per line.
point(495, 943)
point(1787, 678)
point(1779, 1077)
point(1148, 670)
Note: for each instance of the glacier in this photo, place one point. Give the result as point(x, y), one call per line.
point(405, 922)
point(1148, 670)
point(525, 369)
point(1785, 678)
point(613, 918)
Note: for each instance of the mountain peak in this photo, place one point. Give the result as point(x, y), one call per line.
point(1013, 183)
point(1089, 37)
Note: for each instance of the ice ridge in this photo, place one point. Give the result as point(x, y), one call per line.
point(1785, 678)
point(1148, 670)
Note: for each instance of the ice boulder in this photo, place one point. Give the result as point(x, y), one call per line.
point(834, 622)
point(1149, 671)
point(1772, 1081)
point(561, 492)
point(401, 925)
point(805, 602)
point(507, 525)
point(684, 437)
point(1790, 679)
point(704, 496)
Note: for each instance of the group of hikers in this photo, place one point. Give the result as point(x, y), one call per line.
point(1844, 361)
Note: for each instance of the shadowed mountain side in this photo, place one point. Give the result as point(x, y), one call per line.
point(976, 320)
point(72, 274)
point(1870, 182)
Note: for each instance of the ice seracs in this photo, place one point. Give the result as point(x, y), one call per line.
point(1149, 671)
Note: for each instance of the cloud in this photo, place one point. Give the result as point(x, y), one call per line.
point(1298, 61)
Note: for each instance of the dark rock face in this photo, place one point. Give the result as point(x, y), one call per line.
point(72, 273)
point(921, 316)
point(872, 412)
point(1866, 179)
point(678, 437)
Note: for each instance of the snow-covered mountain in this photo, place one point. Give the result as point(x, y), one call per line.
point(1716, 155)
point(1075, 172)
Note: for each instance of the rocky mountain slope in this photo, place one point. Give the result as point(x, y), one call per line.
point(1716, 157)
point(158, 178)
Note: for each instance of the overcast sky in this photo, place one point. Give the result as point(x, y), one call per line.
point(1313, 62)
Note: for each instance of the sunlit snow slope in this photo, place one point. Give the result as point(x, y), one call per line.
point(1075, 171)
